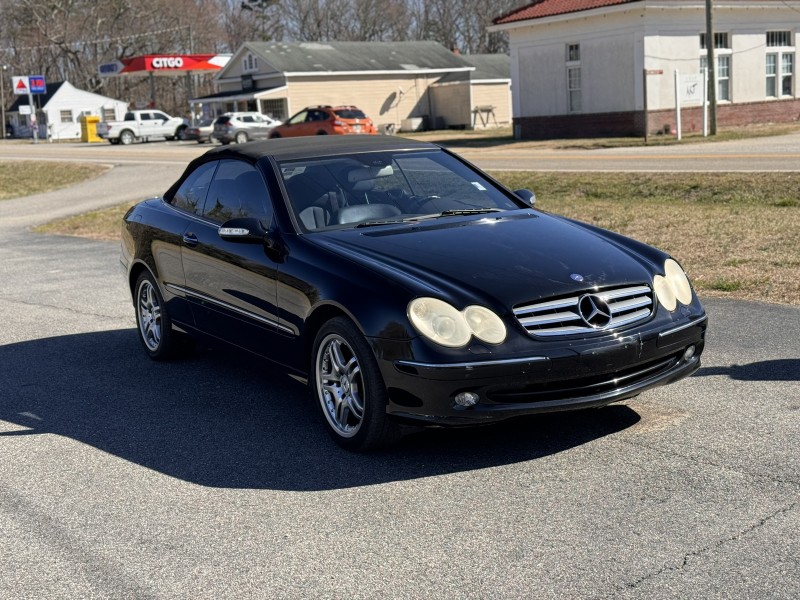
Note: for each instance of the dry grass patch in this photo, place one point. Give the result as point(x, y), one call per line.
point(25, 178)
point(102, 224)
point(736, 234)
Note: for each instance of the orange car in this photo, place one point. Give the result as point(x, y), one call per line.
point(326, 120)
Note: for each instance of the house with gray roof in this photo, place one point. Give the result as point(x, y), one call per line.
point(390, 81)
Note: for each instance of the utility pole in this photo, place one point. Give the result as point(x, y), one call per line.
point(712, 70)
point(3, 97)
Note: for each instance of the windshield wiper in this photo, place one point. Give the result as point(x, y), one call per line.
point(444, 213)
point(384, 222)
point(454, 212)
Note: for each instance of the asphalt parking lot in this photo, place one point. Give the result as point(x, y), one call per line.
point(212, 477)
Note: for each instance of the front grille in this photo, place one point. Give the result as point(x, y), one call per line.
point(562, 316)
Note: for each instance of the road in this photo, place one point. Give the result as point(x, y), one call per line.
point(212, 477)
point(778, 154)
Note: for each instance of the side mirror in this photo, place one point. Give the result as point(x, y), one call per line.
point(526, 195)
point(243, 230)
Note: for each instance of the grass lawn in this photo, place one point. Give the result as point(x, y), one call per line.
point(25, 178)
point(736, 234)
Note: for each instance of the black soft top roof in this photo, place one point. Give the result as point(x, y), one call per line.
point(317, 145)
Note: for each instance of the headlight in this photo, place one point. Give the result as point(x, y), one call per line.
point(485, 325)
point(679, 282)
point(673, 287)
point(443, 324)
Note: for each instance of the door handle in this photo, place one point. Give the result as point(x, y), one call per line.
point(190, 239)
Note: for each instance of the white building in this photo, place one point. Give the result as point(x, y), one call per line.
point(59, 109)
point(580, 67)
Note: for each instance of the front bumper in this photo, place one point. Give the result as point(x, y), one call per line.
point(560, 378)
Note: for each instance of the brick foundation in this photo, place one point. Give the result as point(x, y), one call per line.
point(630, 124)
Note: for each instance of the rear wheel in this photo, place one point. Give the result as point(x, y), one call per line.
point(349, 389)
point(152, 319)
point(241, 137)
point(126, 137)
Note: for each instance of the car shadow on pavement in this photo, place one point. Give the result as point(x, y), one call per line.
point(221, 419)
point(766, 370)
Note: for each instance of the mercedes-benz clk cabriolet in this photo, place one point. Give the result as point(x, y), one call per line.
point(404, 286)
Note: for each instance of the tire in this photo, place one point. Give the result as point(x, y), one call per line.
point(349, 389)
point(180, 132)
point(274, 136)
point(241, 137)
point(126, 137)
point(322, 132)
point(153, 323)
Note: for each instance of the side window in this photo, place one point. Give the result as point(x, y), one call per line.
point(298, 118)
point(192, 193)
point(144, 116)
point(160, 116)
point(238, 191)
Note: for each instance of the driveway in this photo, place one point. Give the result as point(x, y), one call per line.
point(212, 477)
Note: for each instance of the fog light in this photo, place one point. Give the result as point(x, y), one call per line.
point(688, 353)
point(467, 399)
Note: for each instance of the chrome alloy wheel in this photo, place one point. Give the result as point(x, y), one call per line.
point(340, 387)
point(148, 314)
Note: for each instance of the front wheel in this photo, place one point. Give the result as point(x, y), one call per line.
point(349, 389)
point(152, 319)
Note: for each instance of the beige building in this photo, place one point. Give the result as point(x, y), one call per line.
point(400, 85)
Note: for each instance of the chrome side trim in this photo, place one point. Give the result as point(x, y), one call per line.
point(230, 307)
point(471, 365)
point(682, 327)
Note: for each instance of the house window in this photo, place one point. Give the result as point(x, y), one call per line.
point(573, 52)
point(65, 116)
point(574, 78)
point(779, 38)
point(722, 43)
point(574, 88)
point(275, 108)
point(721, 40)
point(250, 63)
point(722, 74)
point(779, 64)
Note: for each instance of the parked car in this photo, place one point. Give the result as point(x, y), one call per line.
point(141, 125)
point(241, 127)
point(326, 120)
point(202, 132)
point(404, 285)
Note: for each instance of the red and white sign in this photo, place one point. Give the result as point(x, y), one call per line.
point(165, 63)
point(20, 85)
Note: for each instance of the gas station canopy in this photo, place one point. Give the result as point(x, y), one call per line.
point(164, 64)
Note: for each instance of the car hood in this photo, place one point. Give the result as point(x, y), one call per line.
point(522, 256)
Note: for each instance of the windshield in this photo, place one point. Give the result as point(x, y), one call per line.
point(380, 187)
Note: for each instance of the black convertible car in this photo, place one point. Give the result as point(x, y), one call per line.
point(404, 286)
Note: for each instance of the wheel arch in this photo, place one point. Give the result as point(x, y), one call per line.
point(137, 269)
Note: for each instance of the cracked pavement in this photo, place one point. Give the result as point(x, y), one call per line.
point(212, 477)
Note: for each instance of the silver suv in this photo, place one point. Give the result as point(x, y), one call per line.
point(241, 127)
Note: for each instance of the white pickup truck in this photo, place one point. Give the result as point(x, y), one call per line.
point(141, 125)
